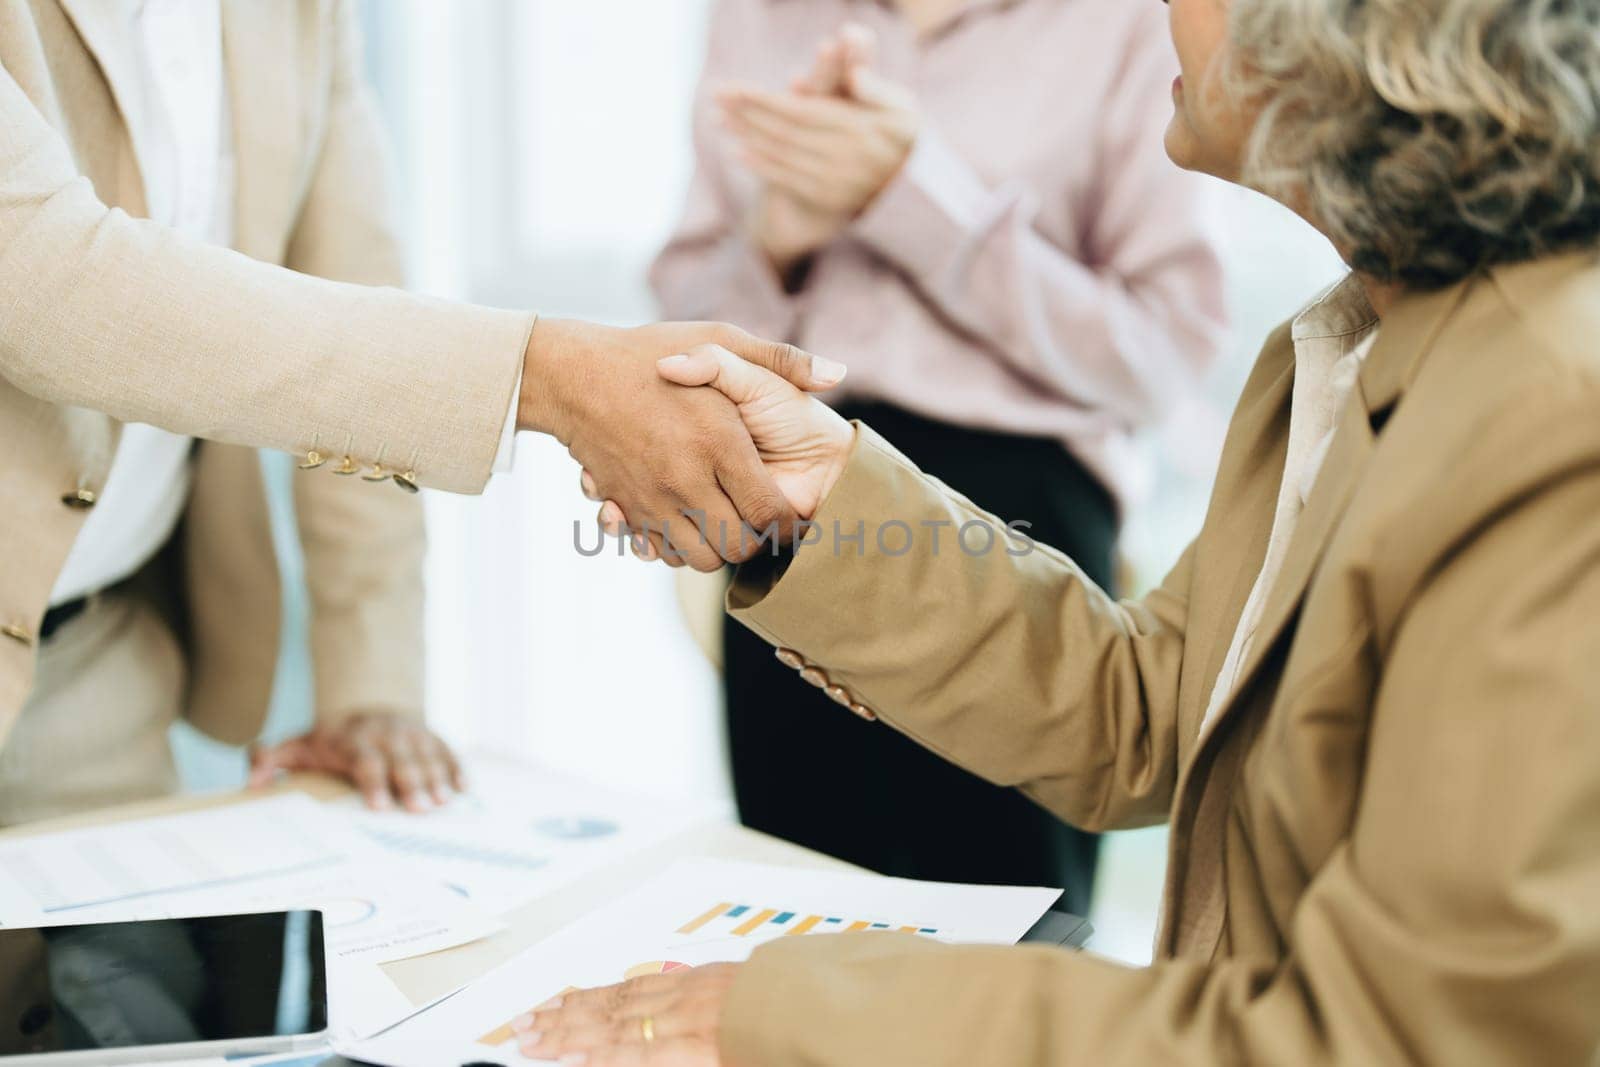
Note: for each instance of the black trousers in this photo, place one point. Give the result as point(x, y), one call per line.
point(807, 770)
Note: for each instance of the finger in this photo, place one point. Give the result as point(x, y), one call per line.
point(765, 513)
point(742, 381)
point(409, 781)
point(859, 45)
point(827, 70)
point(590, 488)
point(612, 520)
point(781, 135)
point(608, 1036)
point(661, 549)
point(436, 769)
point(813, 166)
point(798, 367)
point(268, 761)
point(644, 545)
point(648, 544)
point(458, 774)
point(684, 540)
point(814, 112)
point(874, 90)
point(369, 771)
point(716, 523)
point(779, 174)
point(591, 1007)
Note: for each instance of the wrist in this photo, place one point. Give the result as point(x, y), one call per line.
point(546, 372)
point(785, 257)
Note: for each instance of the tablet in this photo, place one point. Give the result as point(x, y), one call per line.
point(162, 989)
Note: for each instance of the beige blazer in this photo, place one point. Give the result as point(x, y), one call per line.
point(105, 318)
point(1387, 847)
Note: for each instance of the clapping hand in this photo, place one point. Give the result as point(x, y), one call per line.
point(823, 150)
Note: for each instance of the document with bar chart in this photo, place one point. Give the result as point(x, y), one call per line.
point(699, 912)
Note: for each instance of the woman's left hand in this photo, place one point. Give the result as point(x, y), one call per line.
point(835, 153)
point(661, 1020)
point(390, 758)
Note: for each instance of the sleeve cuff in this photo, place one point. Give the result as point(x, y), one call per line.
point(874, 998)
point(854, 506)
point(931, 209)
point(505, 456)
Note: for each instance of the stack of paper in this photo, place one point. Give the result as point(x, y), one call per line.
point(698, 912)
point(266, 855)
point(390, 886)
point(516, 835)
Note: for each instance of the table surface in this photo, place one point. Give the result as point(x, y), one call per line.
point(425, 978)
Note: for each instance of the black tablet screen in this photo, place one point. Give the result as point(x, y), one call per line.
point(165, 981)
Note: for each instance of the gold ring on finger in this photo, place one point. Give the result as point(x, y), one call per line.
point(647, 1027)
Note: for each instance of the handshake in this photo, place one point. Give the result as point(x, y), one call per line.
point(700, 439)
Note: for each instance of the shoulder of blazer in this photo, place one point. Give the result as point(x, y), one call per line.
point(1556, 305)
point(1505, 407)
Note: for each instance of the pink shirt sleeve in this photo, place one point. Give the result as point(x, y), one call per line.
point(1127, 328)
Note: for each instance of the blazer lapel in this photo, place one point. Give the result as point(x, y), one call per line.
point(102, 25)
point(1406, 335)
point(259, 65)
point(1248, 478)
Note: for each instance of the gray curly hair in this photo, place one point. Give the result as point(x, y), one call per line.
point(1429, 138)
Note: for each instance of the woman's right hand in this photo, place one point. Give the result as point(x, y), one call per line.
point(786, 227)
point(804, 443)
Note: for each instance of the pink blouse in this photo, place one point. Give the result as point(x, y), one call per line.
point(1038, 267)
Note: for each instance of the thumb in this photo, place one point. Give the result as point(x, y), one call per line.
point(268, 761)
point(713, 365)
point(859, 44)
point(869, 87)
point(814, 374)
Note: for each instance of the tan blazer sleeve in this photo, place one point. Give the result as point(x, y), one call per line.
point(1015, 666)
point(1455, 924)
point(363, 543)
point(124, 316)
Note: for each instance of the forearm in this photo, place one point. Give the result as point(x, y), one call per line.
point(126, 317)
point(937, 637)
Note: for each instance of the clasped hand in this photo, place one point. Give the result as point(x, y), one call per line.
point(802, 443)
point(679, 463)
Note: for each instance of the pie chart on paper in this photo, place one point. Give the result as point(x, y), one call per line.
point(655, 967)
point(576, 828)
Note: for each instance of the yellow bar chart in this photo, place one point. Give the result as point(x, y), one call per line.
point(747, 920)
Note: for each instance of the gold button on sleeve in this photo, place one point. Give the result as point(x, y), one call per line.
point(815, 676)
point(864, 712)
point(790, 658)
point(840, 695)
